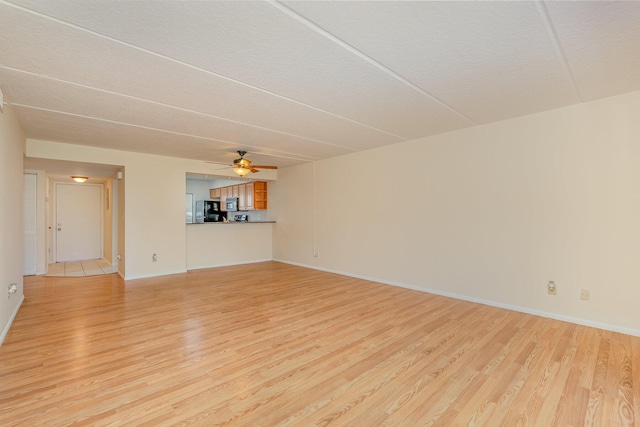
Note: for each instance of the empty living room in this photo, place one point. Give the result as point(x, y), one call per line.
point(297, 213)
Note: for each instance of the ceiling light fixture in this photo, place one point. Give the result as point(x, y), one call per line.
point(241, 170)
point(78, 178)
point(242, 166)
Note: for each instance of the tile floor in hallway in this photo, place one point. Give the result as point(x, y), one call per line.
point(91, 267)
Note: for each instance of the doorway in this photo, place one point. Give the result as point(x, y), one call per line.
point(77, 222)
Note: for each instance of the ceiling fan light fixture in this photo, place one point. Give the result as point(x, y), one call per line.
point(242, 166)
point(78, 178)
point(240, 170)
point(242, 163)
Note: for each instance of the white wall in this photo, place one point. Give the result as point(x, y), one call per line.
point(12, 143)
point(490, 213)
point(199, 188)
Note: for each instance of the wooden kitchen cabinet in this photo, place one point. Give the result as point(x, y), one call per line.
point(260, 195)
point(214, 193)
point(242, 197)
point(224, 192)
point(251, 196)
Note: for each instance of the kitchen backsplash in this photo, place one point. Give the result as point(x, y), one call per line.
point(253, 215)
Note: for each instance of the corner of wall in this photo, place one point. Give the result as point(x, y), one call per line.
point(12, 149)
point(5, 331)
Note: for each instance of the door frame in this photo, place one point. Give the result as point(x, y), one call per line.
point(54, 249)
point(32, 193)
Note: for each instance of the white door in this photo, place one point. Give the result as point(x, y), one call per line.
point(29, 213)
point(78, 224)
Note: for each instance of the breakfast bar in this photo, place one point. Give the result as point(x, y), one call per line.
point(216, 244)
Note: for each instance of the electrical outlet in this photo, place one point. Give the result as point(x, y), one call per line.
point(154, 257)
point(316, 255)
point(585, 294)
point(551, 288)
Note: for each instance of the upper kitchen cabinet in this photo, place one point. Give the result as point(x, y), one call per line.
point(214, 193)
point(260, 195)
point(242, 197)
point(251, 195)
point(224, 193)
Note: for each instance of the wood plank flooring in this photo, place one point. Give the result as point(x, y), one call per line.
point(271, 344)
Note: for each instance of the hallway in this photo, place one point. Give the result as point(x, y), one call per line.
point(92, 267)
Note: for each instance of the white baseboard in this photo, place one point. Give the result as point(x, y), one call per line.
point(147, 276)
point(198, 267)
point(5, 331)
point(527, 310)
point(202, 267)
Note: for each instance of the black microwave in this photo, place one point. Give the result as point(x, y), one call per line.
point(232, 204)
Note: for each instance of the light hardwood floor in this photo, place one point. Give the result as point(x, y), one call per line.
point(273, 344)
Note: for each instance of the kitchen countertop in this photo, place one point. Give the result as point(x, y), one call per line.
point(232, 222)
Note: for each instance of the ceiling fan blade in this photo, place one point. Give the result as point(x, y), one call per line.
point(264, 167)
point(242, 163)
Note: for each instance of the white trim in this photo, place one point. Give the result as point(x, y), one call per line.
point(146, 276)
point(202, 267)
point(10, 322)
point(30, 194)
point(527, 310)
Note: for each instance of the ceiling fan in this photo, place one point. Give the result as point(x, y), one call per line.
point(243, 166)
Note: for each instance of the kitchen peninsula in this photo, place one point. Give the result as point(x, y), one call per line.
point(216, 244)
point(222, 242)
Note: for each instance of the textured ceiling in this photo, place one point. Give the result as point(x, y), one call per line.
point(291, 82)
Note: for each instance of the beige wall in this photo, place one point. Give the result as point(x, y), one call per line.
point(154, 188)
point(291, 204)
point(12, 143)
point(214, 245)
point(490, 213)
